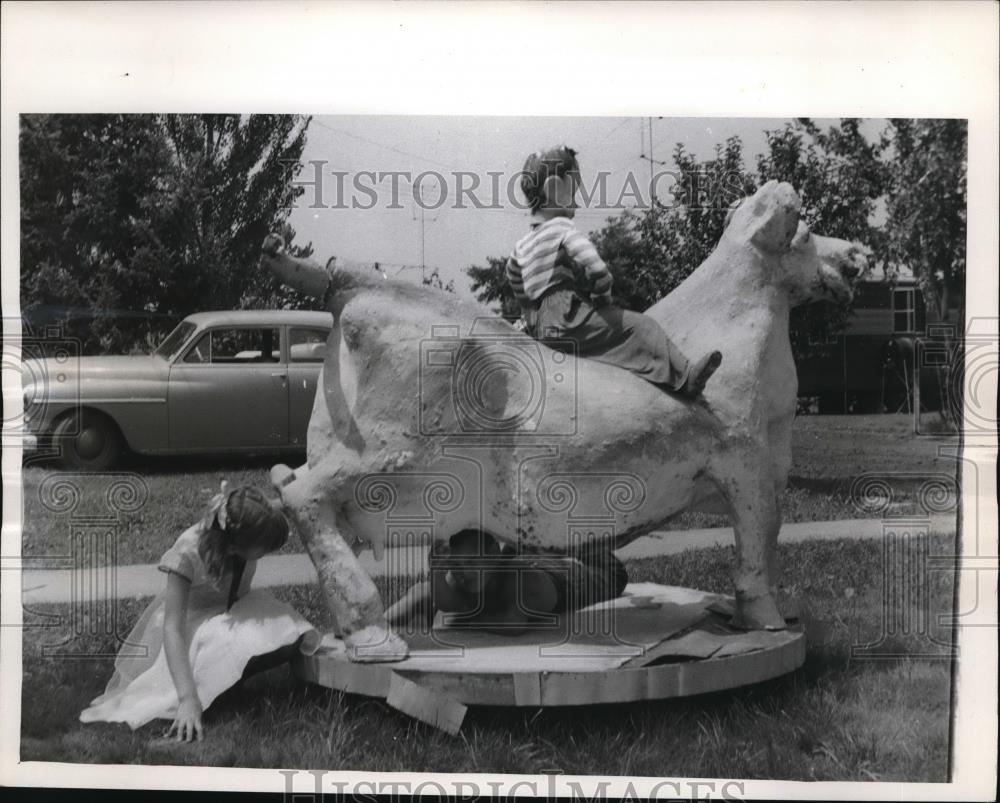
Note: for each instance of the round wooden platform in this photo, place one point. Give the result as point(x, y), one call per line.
point(654, 642)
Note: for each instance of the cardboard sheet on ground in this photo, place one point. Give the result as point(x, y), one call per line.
point(620, 632)
point(652, 643)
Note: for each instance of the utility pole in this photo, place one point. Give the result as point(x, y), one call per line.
point(651, 158)
point(423, 251)
point(418, 197)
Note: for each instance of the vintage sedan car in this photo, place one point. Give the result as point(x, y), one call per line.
point(237, 382)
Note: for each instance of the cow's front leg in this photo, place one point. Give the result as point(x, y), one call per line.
point(350, 594)
point(756, 521)
point(282, 475)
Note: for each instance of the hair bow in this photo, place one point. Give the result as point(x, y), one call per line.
point(217, 507)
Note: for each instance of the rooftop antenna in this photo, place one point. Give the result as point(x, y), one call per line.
point(649, 157)
point(418, 198)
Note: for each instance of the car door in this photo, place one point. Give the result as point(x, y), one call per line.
point(306, 352)
point(229, 391)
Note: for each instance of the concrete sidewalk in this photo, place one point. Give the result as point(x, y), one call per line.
point(65, 585)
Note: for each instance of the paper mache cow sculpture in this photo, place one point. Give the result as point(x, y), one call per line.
point(431, 417)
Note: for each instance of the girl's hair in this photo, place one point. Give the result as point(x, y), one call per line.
point(538, 167)
point(242, 518)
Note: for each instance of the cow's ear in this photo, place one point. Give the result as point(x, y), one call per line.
point(775, 216)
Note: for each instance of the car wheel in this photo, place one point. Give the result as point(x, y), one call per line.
point(88, 441)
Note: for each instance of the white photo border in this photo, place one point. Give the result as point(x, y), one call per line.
point(750, 59)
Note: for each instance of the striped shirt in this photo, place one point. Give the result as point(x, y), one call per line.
point(545, 257)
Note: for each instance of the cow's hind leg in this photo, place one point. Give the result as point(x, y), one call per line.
point(756, 520)
point(350, 594)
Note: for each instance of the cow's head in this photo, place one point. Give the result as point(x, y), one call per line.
point(817, 268)
point(810, 267)
point(767, 219)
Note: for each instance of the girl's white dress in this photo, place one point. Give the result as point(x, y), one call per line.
point(221, 642)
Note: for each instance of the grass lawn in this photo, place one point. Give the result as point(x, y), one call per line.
point(837, 718)
point(828, 453)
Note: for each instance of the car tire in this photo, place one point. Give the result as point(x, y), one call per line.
point(88, 441)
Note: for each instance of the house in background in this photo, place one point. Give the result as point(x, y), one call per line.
point(869, 368)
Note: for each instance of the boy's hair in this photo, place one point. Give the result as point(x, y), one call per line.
point(538, 167)
point(245, 517)
point(467, 555)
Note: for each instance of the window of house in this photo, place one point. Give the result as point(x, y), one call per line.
point(904, 311)
point(822, 339)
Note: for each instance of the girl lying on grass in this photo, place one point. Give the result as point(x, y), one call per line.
point(207, 630)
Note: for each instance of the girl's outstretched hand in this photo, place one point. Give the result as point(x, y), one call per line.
point(188, 721)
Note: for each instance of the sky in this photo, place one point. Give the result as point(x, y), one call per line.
point(448, 238)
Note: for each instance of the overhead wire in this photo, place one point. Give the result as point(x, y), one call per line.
point(382, 145)
point(622, 124)
point(409, 195)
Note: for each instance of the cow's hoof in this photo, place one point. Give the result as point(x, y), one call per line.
point(281, 475)
point(375, 644)
point(758, 614)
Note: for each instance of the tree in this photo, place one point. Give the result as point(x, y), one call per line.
point(840, 177)
point(235, 186)
point(490, 286)
point(158, 214)
point(90, 184)
point(927, 210)
point(434, 280)
point(704, 194)
point(650, 252)
point(641, 250)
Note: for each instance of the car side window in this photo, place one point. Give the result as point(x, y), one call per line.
point(201, 351)
point(307, 345)
point(237, 345)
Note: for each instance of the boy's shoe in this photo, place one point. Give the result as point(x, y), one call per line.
point(700, 373)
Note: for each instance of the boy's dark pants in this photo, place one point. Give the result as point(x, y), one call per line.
point(591, 575)
point(608, 334)
point(584, 579)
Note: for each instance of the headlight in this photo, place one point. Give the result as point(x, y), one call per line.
point(33, 407)
point(29, 395)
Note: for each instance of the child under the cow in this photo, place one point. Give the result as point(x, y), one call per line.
point(492, 586)
point(543, 270)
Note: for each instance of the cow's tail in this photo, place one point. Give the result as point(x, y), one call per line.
point(308, 277)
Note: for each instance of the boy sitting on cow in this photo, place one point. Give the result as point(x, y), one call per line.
point(542, 273)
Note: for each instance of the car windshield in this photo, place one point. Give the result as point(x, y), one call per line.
point(168, 348)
